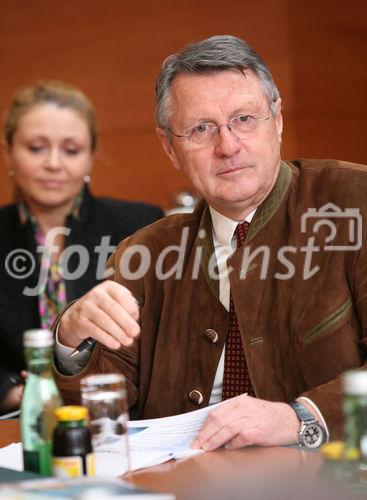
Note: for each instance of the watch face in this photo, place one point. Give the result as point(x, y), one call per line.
point(312, 435)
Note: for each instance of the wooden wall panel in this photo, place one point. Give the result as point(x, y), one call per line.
point(113, 51)
point(329, 66)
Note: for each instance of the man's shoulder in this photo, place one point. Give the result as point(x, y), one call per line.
point(169, 229)
point(324, 167)
point(170, 225)
point(334, 178)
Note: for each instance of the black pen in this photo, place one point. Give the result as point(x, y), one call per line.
point(86, 345)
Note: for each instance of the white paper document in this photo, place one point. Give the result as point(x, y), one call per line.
point(11, 456)
point(167, 437)
point(151, 442)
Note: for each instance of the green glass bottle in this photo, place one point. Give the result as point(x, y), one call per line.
point(40, 399)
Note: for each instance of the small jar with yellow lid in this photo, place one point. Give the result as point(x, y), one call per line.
point(71, 447)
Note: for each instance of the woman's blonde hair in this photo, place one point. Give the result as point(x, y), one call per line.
point(55, 92)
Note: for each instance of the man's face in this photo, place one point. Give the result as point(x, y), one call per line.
point(233, 175)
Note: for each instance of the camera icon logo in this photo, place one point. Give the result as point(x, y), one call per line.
point(328, 215)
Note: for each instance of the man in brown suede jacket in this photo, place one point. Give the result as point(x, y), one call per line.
point(298, 285)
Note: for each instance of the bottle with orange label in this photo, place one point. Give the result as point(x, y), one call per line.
point(71, 447)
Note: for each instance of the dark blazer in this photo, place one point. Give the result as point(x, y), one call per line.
point(18, 312)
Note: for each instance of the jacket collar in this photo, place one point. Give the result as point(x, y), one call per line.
point(262, 216)
point(271, 204)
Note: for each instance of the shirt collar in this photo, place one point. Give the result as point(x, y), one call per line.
point(224, 228)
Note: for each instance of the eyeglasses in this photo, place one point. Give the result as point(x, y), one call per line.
point(239, 126)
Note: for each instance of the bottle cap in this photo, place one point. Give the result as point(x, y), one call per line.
point(38, 338)
point(70, 413)
point(355, 382)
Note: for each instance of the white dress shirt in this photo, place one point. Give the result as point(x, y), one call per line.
point(225, 243)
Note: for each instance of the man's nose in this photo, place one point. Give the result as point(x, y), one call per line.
point(227, 144)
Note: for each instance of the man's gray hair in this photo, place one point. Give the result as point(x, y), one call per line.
point(217, 53)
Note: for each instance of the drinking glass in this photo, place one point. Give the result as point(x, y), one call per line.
point(105, 397)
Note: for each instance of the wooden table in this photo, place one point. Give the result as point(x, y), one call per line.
point(261, 473)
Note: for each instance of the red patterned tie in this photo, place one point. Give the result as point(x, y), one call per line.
point(236, 379)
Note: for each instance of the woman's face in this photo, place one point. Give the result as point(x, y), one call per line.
point(50, 155)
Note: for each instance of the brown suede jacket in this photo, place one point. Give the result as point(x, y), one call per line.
point(301, 305)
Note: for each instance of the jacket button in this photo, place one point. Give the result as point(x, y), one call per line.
point(211, 335)
point(196, 397)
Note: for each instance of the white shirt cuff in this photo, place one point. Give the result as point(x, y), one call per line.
point(62, 352)
point(318, 415)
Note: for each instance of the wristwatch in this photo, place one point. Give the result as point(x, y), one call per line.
point(311, 434)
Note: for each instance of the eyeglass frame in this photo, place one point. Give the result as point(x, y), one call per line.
point(217, 127)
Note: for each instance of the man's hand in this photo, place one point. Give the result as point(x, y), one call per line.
point(108, 313)
point(245, 421)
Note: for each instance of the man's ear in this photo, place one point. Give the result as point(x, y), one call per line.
point(278, 117)
point(167, 146)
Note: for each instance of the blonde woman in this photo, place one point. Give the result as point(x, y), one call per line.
point(50, 137)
